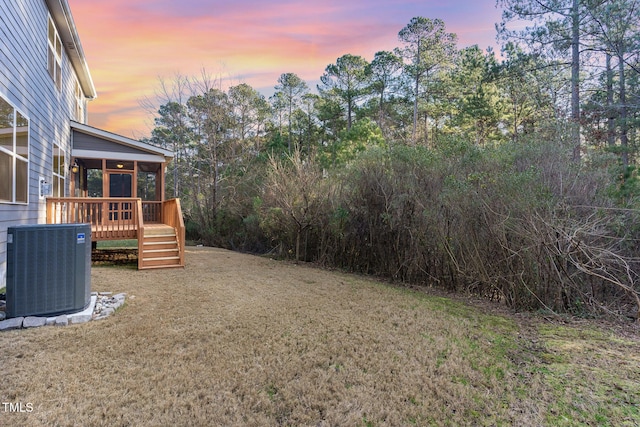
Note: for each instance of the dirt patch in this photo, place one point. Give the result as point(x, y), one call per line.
point(241, 340)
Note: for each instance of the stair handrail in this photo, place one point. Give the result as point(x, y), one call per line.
point(172, 216)
point(140, 220)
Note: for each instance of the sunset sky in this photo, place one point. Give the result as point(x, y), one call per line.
point(131, 45)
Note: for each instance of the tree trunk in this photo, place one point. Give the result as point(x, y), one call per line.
point(415, 97)
point(515, 120)
point(381, 114)
point(575, 78)
point(298, 244)
point(611, 127)
point(289, 136)
point(624, 140)
point(349, 112)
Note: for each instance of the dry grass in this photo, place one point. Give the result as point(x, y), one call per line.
point(241, 340)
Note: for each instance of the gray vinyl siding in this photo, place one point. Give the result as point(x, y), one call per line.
point(82, 141)
point(25, 83)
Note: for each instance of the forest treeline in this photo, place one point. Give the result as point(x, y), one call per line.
point(511, 176)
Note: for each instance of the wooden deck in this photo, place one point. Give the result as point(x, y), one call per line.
point(159, 230)
point(156, 229)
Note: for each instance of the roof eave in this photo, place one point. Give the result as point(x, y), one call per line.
point(61, 14)
point(123, 140)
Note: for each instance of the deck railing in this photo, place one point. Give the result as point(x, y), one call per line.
point(152, 211)
point(110, 218)
point(118, 218)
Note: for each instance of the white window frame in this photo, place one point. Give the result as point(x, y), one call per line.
point(59, 171)
point(80, 103)
point(16, 157)
point(54, 54)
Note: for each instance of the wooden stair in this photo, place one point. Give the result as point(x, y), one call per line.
point(160, 248)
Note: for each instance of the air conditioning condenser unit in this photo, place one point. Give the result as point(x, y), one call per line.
point(48, 269)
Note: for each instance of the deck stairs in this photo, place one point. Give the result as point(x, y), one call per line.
point(160, 247)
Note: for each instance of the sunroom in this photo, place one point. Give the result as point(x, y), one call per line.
point(117, 186)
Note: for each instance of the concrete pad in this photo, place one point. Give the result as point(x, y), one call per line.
point(85, 315)
point(62, 320)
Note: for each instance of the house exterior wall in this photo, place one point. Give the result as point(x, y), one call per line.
point(26, 84)
point(82, 141)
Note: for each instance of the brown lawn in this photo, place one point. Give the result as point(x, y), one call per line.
point(241, 340)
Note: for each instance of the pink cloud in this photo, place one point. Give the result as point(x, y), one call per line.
point(129, 45)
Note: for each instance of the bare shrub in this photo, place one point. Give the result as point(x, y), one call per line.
point(513, 224)
point(293, 201)
point(518, 223)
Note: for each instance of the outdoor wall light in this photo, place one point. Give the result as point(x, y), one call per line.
point(75, 167)
point(119, 165)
